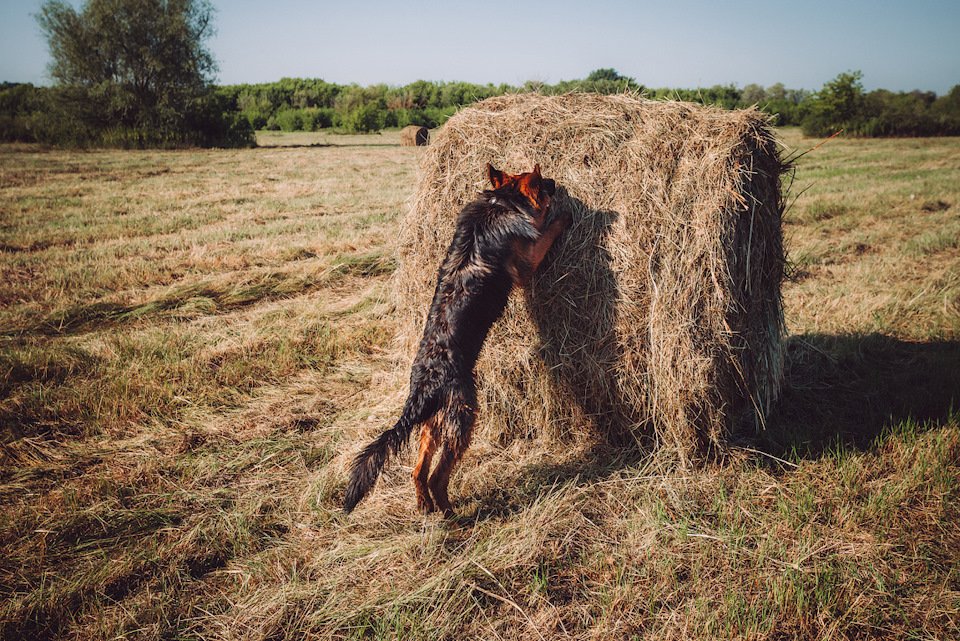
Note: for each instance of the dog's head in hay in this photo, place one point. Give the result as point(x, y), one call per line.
point(658, 313)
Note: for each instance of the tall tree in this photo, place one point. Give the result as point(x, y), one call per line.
point(777, 91)
point(753, 93)
point(837, 104)
point(608, 81)
point(842, 97)
point(132, 63)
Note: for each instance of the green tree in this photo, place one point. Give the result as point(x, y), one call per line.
point(600, 75)
point(608, 81)
point(837, 105)
point(752, 94)
point(842, 96)
point(776, 91)
point(365, 118)
point(132, 64)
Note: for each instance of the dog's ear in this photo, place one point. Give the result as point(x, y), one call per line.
point(496, 176)
point(530, 184)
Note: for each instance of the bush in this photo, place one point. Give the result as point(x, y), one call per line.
point(207, 122)
point(18, 103)
point(364, 119)
point(256, 118)
point(210, 123)
point(881, 113)
point(817, 124)
point(53, 126)
point(315, 118)
point(435, 117)
point(788, 112)
point(290, 120)
point(16, 129)
point(406, 117)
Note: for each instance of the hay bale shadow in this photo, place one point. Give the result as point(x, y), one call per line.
point(850, 390)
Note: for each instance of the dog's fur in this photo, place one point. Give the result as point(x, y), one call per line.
point(500, 240)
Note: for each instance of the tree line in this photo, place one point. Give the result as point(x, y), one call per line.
point(228, 115)
point(136, 73)
point(309, 105)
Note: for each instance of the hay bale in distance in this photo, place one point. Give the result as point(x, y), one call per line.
point(414, 136)
point(658, 314)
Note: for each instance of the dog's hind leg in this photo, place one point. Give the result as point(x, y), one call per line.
point(457, 429)
point(429, 434)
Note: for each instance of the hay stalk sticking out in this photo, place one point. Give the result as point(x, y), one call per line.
point(659, 312)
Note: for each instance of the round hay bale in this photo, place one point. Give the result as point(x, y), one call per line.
point(658, 314)
point(414, 136)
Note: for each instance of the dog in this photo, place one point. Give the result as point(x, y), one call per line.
point(499, 242)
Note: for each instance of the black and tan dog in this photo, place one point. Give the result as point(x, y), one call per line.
point(500, 240)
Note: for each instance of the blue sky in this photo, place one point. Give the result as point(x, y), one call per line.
point(670, 43)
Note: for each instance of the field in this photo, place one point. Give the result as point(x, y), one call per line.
point(193, 344)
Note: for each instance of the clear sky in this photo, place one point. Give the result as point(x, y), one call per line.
point(900, 46)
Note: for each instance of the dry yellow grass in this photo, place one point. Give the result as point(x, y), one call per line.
point(172, 459)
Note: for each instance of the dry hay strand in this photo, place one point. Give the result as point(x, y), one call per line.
point(414, 136)
point(659, 313)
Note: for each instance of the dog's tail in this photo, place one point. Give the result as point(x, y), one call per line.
point(370, 460)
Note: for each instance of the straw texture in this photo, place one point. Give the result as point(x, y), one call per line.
point(658, 314)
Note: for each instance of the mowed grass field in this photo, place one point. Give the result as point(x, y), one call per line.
point(193, 345)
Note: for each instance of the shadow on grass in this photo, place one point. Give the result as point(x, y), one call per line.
point(838, 391)
point(532, 482)
point(850, 389)
point(328, 145)
point(314, 145)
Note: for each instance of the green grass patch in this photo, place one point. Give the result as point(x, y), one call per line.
point(947, 237)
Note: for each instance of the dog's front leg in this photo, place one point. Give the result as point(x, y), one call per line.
point(528, 256)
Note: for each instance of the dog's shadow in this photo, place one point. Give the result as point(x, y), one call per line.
point(575, 306)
